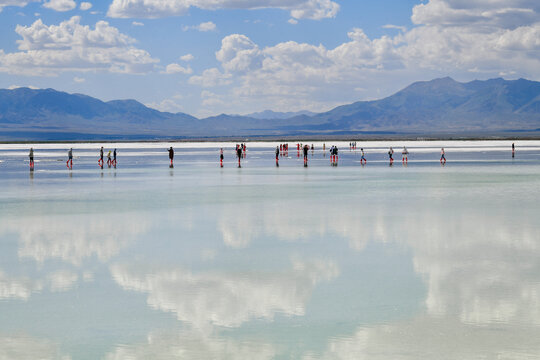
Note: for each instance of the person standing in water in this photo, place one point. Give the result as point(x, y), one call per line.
point(171, 156)
point(100, 161)
point(362, 159)
point(221, 157)
point(114, 158)
point(391, 154)
point(69, 163)
point(443, 159)
point(109, 160)
point(305, 150)
point(31, 156)
point(513, 150)
point(404, 155)
point(277, 156)
point(239, 155)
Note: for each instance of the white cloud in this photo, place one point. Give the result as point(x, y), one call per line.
point(60, 5)
point(488, 37)
point(299, 9)
point(137, 23)
point(177, 69)
point(11, 87)
point(79, 79)
point(19, 3)
point(226, 299)
point(292, 21)
point(169, 105)
point(203, 27)
point(85, 6)
point(239, 54)
point(187, 57)
point(210, 78)
point(70, 46)
point(390, 26)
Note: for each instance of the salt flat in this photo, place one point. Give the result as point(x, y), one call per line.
point(324, 262)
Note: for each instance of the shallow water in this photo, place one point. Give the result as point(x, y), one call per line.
point(201, 262)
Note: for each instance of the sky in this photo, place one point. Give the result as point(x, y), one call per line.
point(207, 57)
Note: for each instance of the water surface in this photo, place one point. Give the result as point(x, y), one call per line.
point(324, 262)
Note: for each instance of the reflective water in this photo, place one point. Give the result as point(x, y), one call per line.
point(260, 262)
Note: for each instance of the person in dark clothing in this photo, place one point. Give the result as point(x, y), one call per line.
point(306, 149)
point(277, 154)
point(221, 157)
point(31, 156)
point(171, 156)
point(69, 163)
point(100, 161)
point(239, 155)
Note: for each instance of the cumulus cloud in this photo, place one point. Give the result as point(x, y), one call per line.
point(70, 46)
point(60, 5)
point(19, 3)
point(177, 69)
point(85, 6)
point(299, 9)
point(451, 38)
point(210, 78)
point(187, 57)
point(225, 299)
point(203, 27)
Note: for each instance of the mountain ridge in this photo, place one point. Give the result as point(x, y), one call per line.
point(424, 107)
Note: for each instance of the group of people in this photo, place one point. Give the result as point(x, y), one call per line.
point(111, 161)
point(240, 151)
point(334, 155)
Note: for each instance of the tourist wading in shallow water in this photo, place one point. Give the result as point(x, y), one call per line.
point(171, 156)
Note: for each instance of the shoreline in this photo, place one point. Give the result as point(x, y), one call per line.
point(282, 139)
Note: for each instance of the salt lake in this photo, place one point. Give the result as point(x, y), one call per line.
point(143, 261)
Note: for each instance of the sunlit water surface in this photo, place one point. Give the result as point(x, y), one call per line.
point(262, 262)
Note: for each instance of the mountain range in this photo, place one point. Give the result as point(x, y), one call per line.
point(428, 108)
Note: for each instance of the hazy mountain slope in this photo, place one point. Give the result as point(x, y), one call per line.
point(427, 107)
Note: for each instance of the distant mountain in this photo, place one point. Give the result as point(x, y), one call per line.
point(443, 106)
point(437, 107)
point(271, 115)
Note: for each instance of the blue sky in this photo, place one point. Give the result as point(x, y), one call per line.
point(206, 57)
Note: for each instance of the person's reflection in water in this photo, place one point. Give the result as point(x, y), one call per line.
point(171, 172)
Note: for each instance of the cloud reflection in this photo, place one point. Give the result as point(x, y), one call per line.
point(73, 238)
point(191, 345)
point(226, 299)
point(433, 338)
point(24, 347)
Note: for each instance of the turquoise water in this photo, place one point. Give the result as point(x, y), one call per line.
point(259, 262)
